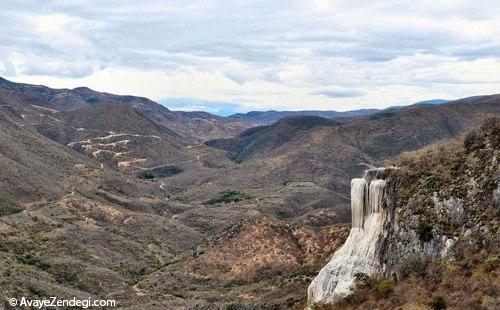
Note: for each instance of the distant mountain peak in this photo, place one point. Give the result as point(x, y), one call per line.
point(4, 81)
point(83, 88)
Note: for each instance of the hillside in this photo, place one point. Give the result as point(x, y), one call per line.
point(331, 152)
point(126, 138)
point(190, 125)
point(74, 227)
point(415, 126)
point(260, 141)
point(390, 132)
point(117, 135)
point(33, 167)
point(433, 101)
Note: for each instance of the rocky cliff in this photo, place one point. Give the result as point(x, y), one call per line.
point(439, 207)
point(361, 253)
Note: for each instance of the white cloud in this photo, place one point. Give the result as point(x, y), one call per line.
point(263, 54)
point(62, 31)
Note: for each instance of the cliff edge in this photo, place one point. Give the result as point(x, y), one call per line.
point(436, 214)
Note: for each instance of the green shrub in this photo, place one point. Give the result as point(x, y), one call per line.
point(159, 172)
point(470, 141)
point(491, 127)
point(146, 175)
point(425, 231)
point(9, 206)
point(481, 217)
point(460, 191)
point(238, 160)
point(384, 288)
point(136, 274)
point(415, 264)
point(235, 157)
point(284, 215)
point(437, 302)
point(32, 259)
point(227, 197)
point(432, 183)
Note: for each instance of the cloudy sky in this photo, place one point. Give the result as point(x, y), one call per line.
point(223, 56)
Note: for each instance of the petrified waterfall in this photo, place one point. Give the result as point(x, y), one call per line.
point(358, 254)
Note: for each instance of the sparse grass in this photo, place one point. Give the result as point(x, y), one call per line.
point(492, 263)
point(307, 271)
point(132, 273)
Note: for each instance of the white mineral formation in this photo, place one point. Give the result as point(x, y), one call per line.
point(358, 254)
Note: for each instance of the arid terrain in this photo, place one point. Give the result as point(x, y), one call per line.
point(118, 197)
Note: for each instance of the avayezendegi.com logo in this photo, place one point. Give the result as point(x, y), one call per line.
point(55, 302)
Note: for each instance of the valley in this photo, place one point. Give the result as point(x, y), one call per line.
point(119, 197)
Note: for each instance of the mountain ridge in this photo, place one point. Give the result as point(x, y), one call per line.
point(194, 125)
point(332, 153)
point(272, 116)
point(459, 107)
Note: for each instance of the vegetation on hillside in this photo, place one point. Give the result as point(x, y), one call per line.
point(227, 197)
point(159, 172)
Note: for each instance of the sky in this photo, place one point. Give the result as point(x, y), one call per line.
point(237, 56)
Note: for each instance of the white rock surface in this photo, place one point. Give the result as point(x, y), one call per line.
point(358, 254)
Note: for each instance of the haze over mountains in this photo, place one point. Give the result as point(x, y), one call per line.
point(97, 188)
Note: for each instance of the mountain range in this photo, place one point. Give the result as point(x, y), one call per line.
point(269, 117)
point(117, 196)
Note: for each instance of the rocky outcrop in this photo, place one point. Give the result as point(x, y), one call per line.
point(360, 251)
point(377, 244)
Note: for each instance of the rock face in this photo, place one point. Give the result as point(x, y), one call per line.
point(360, 252)
point(378, 244)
